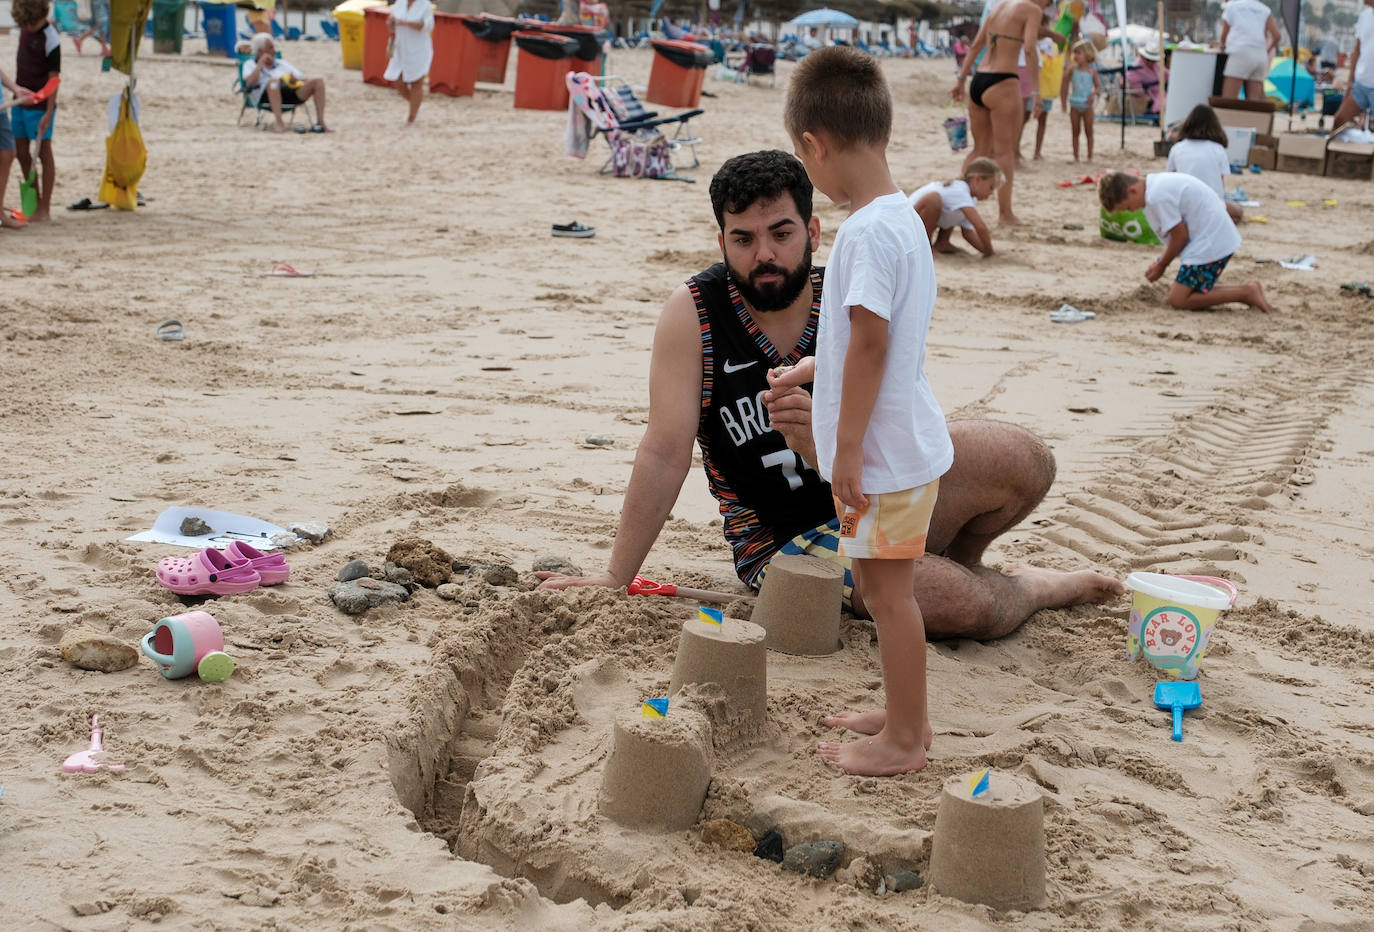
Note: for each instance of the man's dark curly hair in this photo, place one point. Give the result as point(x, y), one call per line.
point(759, 176)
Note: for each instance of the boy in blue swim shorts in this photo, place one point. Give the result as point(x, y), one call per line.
point(1197, 230)
point(39, 60)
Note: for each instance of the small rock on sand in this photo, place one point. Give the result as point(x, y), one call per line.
point(428, 563)
point(817, 858)
point(91, 650)
point(728, 835)
point(192, 526)
point(354, 569)
point(770, 847)
point(550, 563)
point(903, 881)
point(449, 591)
point(355, 596)
point(311, 531)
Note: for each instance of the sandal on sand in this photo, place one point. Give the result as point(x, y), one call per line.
point(170, 330)
point(573, 229)
point(1068, 314)
point(87, 204)
point(272, 567)
point(207, 573)
point(286, 270)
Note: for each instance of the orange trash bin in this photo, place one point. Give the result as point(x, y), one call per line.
point(490, 41)
point(541, 64)
point(678, 72)
point(453, 71)
point(375, 38)
point(589, 39)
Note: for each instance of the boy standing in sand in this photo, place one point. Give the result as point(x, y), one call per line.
point(881, 439)
point(39, 59)
point(1200, 235)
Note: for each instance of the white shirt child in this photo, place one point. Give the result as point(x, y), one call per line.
point(1171, 198)
point(954, 197)
point(881, 260)
point(1204, 160)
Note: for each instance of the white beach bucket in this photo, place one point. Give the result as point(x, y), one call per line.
point(1172, 618)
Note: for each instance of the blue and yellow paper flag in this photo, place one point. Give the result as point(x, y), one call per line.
point(654, 708)
point(978, 782)
point(712, 616)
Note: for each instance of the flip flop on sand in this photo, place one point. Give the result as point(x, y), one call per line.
point(286, 270)
point(87, 204)
point(170, 330)
point(1068, 314)
point(574, 229)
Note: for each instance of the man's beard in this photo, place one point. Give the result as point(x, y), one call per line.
point(772, 296)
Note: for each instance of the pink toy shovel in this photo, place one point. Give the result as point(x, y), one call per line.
point(93, 759)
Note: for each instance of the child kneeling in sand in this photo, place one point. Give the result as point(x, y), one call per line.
point(942, 206)
point(1199, 233)
point(881, 439)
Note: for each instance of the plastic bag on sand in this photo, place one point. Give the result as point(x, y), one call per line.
point(125, 159)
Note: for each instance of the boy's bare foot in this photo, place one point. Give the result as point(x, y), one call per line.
point(1052, 587)
point(946, 248)
point(1257, 298)
point(40, 215)
point(1011, 220)
point(11, 222)
point(872, 722)
point(1037, 157)
point(877, 756)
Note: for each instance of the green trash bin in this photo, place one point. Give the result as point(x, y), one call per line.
point(169, 20)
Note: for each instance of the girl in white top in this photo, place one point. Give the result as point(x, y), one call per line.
point(411, 22)
point(1201, 152)
point(942, 206)
point(1249, 36)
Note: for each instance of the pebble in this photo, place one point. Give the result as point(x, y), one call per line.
point(191, 526)
point(864, 874)
point(356, 596)
point(902, 881)
point(550, 563)
point(598, 440)
point(1366, 807)
point(770, 847)
point(450, 591)
point(493, 574)
point(1073, 226)
point(728, 835)
point(354, 569)
point(817, 858)
point(759, 823)
point(91, 650)
point(91, 908)
point(311, 531)
point(428, 564)
point(397, 574)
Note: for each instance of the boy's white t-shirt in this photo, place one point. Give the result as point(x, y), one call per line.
point(1248, 19)
point(954, 197)
point(1203, 159)
point(1364, 34)
point(1171, 197)
point(881, 260)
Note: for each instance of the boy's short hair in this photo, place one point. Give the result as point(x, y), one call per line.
point(984, 167)
point(1113, 188)
point(29, 14)
point(759, 176)
point(839, 91)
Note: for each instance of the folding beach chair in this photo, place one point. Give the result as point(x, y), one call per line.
point(760, 60)
point(263, 105)
point(615, 113)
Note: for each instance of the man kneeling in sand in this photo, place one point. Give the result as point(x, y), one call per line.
point(719, 334)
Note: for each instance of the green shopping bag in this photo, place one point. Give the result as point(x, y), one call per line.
point(1127, 226)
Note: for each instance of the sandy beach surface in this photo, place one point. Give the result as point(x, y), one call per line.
point(435, 764)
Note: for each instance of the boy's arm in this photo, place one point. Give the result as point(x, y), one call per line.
point(864, 362)
point(984, 242)
point(1178, 238)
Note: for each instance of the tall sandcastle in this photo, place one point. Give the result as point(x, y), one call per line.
point(799, 605)
point(990, 848)
point(731, 654)
point(658, 772)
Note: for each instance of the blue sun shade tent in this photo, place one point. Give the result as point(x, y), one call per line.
point(1281, 82)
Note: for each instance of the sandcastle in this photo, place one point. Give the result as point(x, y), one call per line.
point(799, 605)
point(731, 654)
point(990, 848)
point(658, 772)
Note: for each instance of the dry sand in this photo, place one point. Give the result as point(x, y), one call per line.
point(437, 377)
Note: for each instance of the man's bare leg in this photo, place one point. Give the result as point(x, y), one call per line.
point(314, 90)
point(274, 98)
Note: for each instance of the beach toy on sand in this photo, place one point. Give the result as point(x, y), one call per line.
point(642, 586)
point(956, 130)
point(1178, 697)
point(179, 643)
point(1172, 618)
point(28, 193)
point(94, 758)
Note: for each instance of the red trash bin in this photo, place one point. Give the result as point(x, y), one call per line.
point(453, 70)
point(489, 39)
point(375, 37)
point(589, 39)
point(541, 64)
point(678, 72)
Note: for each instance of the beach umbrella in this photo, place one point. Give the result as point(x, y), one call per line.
point(824, 17)
point(1290, 83)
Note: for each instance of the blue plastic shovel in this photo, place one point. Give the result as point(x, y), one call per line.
point(1177, 697)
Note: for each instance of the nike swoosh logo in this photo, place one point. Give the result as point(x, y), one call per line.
point(729, 368)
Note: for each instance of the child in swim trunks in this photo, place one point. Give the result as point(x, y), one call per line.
point(1199, 234)
point(942, 206)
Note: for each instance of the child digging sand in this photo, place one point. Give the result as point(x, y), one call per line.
point(881, 439)
point(1199, 234)
point(943, 206)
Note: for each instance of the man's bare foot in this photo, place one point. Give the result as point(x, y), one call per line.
point(946, 248)
point(1053, 589)
point(878, 756)
point(872, 722)
point(1011, 220)
point(1257, 298)
point(11, 222)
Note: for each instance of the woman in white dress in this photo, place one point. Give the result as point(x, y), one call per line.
point(412, 49)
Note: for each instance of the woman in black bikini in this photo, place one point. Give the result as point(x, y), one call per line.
point(995, 110)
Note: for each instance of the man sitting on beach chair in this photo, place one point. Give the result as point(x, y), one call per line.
point(284, 85)
point(760, 60)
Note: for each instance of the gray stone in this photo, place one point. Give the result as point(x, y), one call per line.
point(355, 596)
point(903, 881)
point(598, 440)
point(91, 650)
point(493, 574)
point(311, 531)
point(397, 574)
point(450, 591)
point(191, 526)
point(91, 907)
point(550, 563)
point(354, 569)
point(758, 823)
point(817, 858)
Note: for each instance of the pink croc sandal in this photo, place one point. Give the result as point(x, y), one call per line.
point(272, 567)
point(207, 573)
